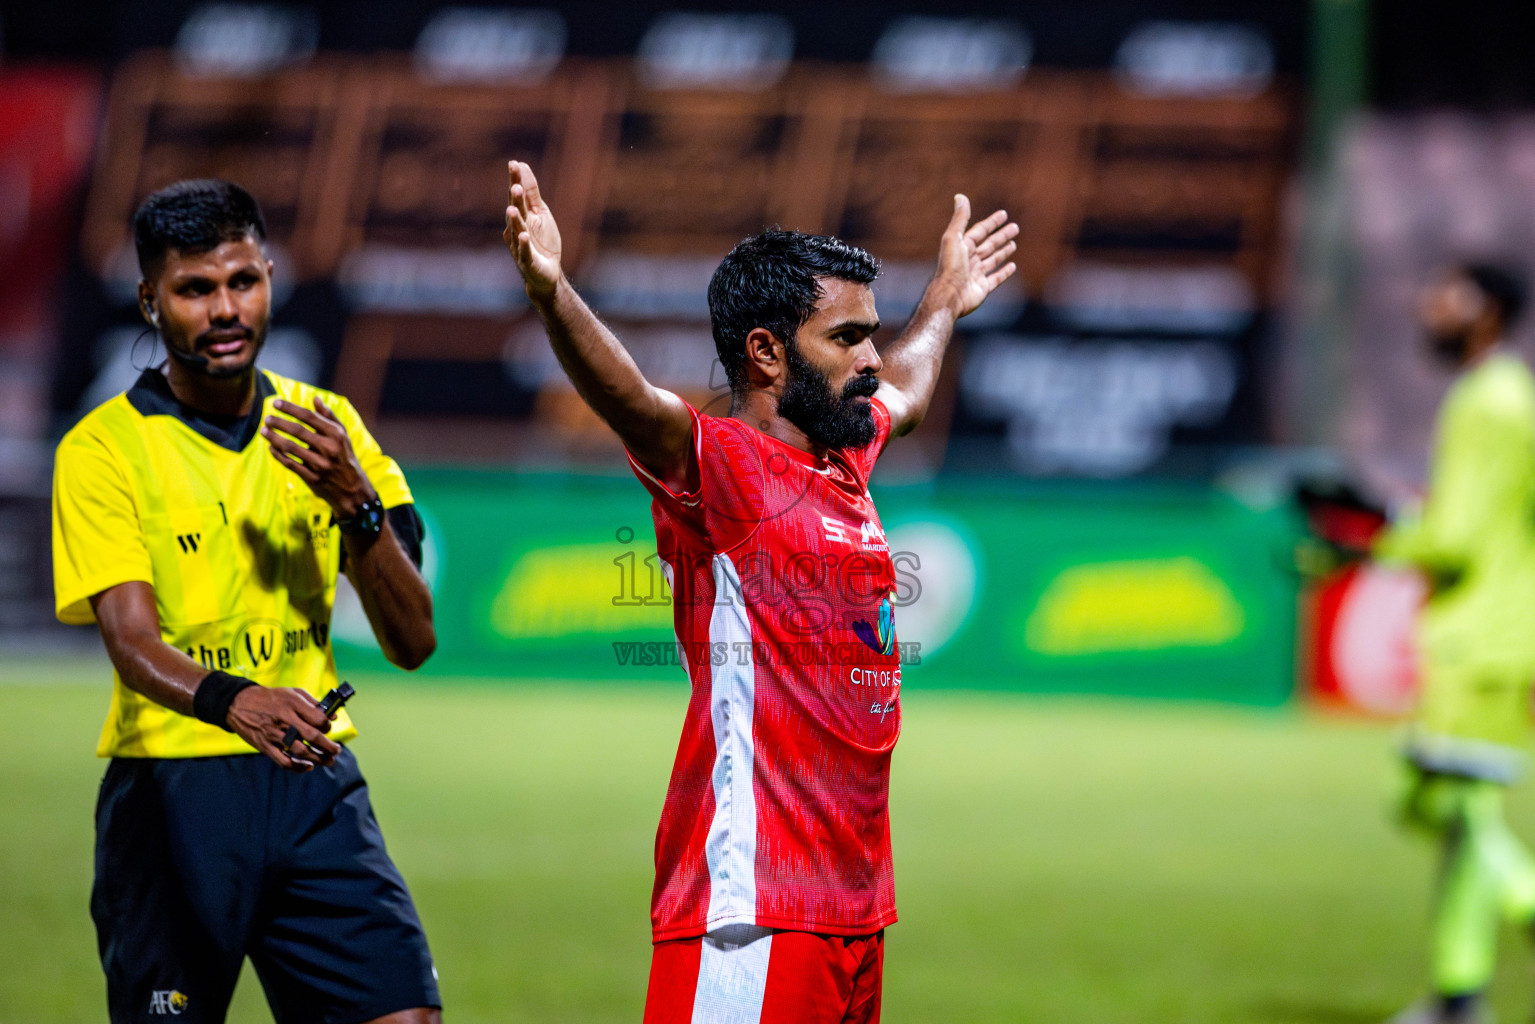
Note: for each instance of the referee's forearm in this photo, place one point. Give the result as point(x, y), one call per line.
point(130, 629)
point(395, 598)
point(158, 671)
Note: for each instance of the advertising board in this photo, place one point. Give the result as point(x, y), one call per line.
point(1166, 593)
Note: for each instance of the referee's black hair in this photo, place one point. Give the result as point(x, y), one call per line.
point(1508, 288)
point(769, 280)
point(194, 217)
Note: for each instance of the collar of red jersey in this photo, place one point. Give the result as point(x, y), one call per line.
point(818, 463)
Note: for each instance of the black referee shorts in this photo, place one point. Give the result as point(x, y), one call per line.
point(201, 862)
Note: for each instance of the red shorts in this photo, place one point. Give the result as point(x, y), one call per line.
point(748, 975)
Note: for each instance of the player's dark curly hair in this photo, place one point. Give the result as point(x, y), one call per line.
point(1506, 287)
point(769, 280)
point(193, 217)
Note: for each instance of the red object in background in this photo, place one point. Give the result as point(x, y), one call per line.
point(1339, 515)
point(1362, 655)
point(1349, 527)
point(47, 135)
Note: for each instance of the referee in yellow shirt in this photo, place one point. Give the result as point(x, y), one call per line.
point(200, 519)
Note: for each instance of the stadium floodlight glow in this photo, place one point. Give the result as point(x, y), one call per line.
point(469, 44)
point(245, 40)
point(951, 54)
point(1173, 58)
point(726, 51)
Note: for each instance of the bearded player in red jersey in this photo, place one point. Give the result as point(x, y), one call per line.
point(773, 880)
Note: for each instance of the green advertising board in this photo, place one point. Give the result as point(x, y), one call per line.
point(1172, 593)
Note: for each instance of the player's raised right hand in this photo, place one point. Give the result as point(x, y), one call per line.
point(261, 716)
point(531, 235)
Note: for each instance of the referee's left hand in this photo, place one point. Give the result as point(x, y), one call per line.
point(262, 715)
point(316, 447)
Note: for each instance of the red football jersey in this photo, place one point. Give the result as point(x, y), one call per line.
point(777, 813)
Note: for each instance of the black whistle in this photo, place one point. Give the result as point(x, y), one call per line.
point(329, 704)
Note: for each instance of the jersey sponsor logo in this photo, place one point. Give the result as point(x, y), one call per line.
point(316, 634)
point(191, 541)
point(319, 528)
point(836, 530)
point(878, 635)
point(258, 646)
point(867, 534)
point(259, 643)
point(168, 1002)
point(875, 676)
point(211, 657)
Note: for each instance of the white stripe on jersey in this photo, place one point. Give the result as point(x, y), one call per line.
point(671, 588)
point(732, 975)
point(731, 846)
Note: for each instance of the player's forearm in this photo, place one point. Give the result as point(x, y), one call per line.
point(652, 423)
point(600, 368)
point(395, 598)
point(914, 360)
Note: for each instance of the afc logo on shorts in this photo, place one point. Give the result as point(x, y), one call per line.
point(167, 1001)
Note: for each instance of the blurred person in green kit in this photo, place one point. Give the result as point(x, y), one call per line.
point(1474, 542)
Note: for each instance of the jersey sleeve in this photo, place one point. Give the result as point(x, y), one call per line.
point(684, 506)
point(1483, 461)
point(383, 472)
point(726, 506)
point(863, 459)
point(98, 541)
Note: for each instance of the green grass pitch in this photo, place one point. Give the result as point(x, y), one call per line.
point(1056, 860)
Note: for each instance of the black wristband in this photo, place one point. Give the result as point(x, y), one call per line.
point(214, 695)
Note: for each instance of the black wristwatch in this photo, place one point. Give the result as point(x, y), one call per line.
point(367, 522)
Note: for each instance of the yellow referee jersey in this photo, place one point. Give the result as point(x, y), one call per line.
point(242, 555)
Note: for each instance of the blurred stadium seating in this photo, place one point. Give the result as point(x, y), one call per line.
point(1149, 204)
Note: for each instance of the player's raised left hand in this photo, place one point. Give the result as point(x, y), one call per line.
point(316, 447)
point(973, 259)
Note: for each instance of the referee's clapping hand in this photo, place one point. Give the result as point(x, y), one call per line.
point(261, 716)
point(315, 446)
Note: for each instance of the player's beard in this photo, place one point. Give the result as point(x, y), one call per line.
point(811, 404)
point(1449, 348)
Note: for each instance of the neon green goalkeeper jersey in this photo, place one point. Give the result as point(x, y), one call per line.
point(1475, 541)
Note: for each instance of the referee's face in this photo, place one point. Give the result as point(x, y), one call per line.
point(214, 306)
